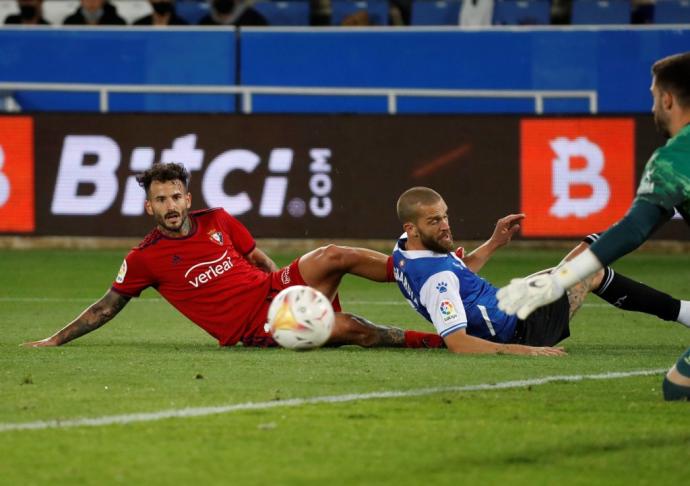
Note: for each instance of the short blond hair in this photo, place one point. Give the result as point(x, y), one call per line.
point(410, 201)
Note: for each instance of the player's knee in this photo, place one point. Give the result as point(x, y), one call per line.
point(334, 256)
point(673, 391)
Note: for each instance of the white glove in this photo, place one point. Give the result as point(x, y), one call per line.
point(524, 295)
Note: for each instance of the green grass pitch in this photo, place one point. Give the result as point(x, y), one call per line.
point(150, 358)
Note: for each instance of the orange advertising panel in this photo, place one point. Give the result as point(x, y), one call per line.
point(577, 175)
point(17, 174)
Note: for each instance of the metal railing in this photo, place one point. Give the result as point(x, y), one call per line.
point(247, 93)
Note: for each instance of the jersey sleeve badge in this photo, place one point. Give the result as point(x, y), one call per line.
point(123, 271)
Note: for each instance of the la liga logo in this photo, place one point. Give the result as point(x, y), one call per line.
point(447, 308)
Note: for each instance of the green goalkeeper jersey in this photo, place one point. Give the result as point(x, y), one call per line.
point(665, 185)
point(666, 178)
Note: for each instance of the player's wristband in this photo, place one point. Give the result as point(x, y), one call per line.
point(577, 269)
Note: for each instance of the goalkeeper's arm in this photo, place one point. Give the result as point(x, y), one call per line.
point(629, 233)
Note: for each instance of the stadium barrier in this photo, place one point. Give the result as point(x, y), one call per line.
point(614, 63)
point(324, 176)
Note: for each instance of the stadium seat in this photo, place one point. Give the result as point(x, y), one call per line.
point(7, 7)
point(191, 10)
point(57, 11)
point(672, 12)
point(131, 10)
point(600, 12)
point(293, 12)
point(435, 12)
point(522, 12)
point(377, 10)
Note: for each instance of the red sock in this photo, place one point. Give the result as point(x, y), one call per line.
point(336, 304)
point(416, 339)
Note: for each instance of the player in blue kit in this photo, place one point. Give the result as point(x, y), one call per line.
point(463, 307)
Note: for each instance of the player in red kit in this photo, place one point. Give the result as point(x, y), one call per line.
point(206, 264)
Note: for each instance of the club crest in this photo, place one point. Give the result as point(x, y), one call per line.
point(216, 237)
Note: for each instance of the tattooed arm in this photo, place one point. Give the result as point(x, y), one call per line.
point(262, 261)
point(91, 319)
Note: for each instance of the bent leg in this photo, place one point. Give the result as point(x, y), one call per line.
point(627, 294)
point(324, 267)
point(577, 293)
point(352, 329)
point(676, 384)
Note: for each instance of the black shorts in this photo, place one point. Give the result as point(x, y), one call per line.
point(546, 326)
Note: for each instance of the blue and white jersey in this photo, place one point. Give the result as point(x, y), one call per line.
point(449, 295)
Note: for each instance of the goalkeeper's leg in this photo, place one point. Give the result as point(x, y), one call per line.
point(677, 381)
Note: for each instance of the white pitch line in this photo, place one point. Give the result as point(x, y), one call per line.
point(296, 402)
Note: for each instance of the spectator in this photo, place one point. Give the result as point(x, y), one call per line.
point(163, 14)
point(95, 12)
point(476, 13)
point(229, 12)
point(30, 13)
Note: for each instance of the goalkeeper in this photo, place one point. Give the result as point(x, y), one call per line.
point(665, 187)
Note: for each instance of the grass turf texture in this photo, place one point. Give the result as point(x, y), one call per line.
point(150, 358)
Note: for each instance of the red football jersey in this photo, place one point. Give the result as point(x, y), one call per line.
point(203, 275)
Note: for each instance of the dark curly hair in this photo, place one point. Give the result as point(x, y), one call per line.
point(672, 74)
point(164, 173)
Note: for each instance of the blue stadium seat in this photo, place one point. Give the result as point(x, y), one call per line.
point(522, 12)
point(600, 12)
point(191, 10)
point(435, 12)
point(377, 10)
point(292, 12)
point(672, 12)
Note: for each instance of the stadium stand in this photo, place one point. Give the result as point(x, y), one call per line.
point(191, 10)
point(7, 8)
point(522, 12)
point(56, 11)
point(672, 12)
point(601, 12)
point(435, 12)
point(377, 10)
point(132, 10)
point(294, 12)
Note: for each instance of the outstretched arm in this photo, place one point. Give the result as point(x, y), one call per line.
point(262, 261)
point(462, 343)
point(91, 319)
point(503, 232)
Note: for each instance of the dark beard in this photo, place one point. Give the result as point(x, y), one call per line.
point(183, 219)
point(433, 245)
point(661, 127)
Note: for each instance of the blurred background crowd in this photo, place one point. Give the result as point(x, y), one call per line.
point(343, 12)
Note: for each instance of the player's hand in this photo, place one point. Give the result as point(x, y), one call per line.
point(505, 228)
point(547, 351)
point(522, 296)
point(43, 343)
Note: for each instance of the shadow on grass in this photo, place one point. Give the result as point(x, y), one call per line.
point(551, 455)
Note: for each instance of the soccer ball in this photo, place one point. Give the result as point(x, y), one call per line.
point(300, 318)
